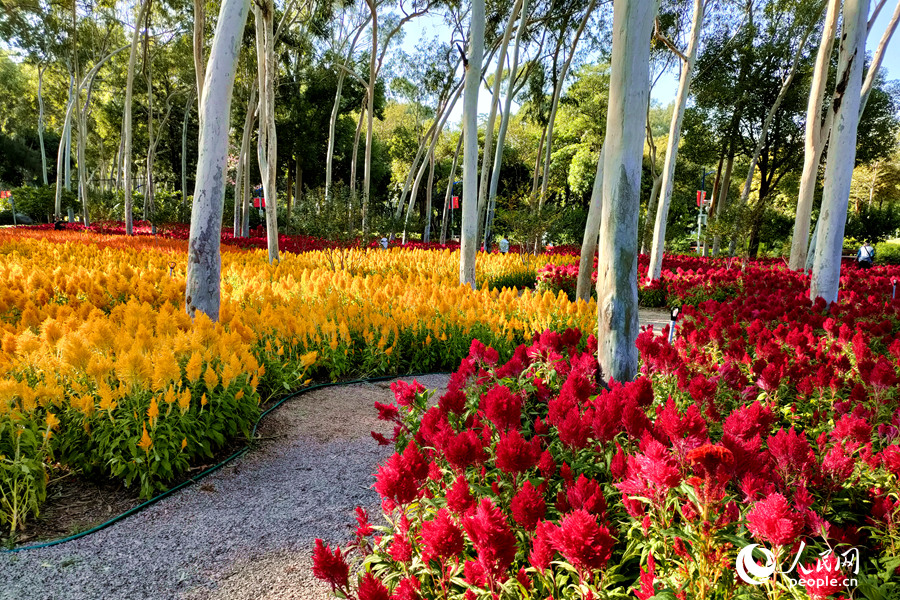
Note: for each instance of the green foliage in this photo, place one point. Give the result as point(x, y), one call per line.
point(873, 224)
point(23, 484)
point(40, 202)
point(887, 253)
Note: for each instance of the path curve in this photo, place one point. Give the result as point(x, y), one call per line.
point(245, 532)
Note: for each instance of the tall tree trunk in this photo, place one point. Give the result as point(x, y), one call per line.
point(591, 235)
point(354, 156)
point(426, 235)
point(841, 153)
point(204, 264)
point(245, 211)
point(507, 104)
point(148, 187)
point(557, 92)
point(773, 110)
point(74, 94)
point(448, 197)
point(668, 173)
point(40, 99)
point(646, 232)
point(814, 141)
point(267, 144)
point(486, 155)
point(370, 122)
point(629, 87)
point(243, 161)
point(199, 35)
point(469, 231)
point(184, 130)
point(129, 93)
point(878, 57)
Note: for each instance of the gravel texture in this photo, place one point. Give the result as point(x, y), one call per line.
point(245, 532)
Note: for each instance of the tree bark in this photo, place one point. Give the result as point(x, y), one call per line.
point(448, 197)
point(826, 273)
point(199, 35)
point(814, 141)
point(492, 115)
point(469, 231)
point(370, 121)
point(617, 302)
point(353, 158)
point(184, 130)
point(129, 93)
point(426, 235)
point(507, 104)
point(668, 173)
point(40, 99)
point(591, 235)
point(204, 264)
point(267, 143)
point(243, 159)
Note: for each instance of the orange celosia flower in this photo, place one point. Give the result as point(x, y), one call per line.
point(146, 443)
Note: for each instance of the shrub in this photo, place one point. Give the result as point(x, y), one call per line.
point(40, 202)
point(887, 253)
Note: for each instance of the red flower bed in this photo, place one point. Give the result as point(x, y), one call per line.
point(770, 422)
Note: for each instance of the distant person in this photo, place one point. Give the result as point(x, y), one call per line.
point(504, 245)
point(384, 243)
point(865, 256)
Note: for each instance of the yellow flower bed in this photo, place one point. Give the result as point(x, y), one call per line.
point(102, 370)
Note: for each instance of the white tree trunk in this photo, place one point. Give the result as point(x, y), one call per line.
point(40, 99)
point(878, 57)
point(426, 235)
point(841, 153)
point(557, 91)
point(469, 231)
point(199, 35)
point(448, 196)
point(814, 142)
point(668, 173)
point(591, 235)
point(74, 92)
point(241, 174)
point(370, 121)
point(507, 105)
point(204, 265)
point(184, 129)
point(129, 93)
point(267, 144)
point(492, 115)
point(629, 88)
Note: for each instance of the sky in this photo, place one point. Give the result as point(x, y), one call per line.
point(665, 89)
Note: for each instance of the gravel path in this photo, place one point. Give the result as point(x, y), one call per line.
point(245, 532)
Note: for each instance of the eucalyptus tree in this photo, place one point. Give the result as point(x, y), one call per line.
point(140, 18)
point(204, 265)
point(688, 58)
point(842, 152)
point(617, 306)
point(818, 129)
point(469, 227)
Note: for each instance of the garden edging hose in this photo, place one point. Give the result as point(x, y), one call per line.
point(211, 469)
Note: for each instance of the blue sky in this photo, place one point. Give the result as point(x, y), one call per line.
point(664, 91)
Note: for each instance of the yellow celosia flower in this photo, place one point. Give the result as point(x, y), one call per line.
point(146, 443)
point(184, 400)
point(153, 412)
point(194, 365)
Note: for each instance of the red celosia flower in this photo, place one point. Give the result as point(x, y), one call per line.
point(492, 538)
point(586, 545)
point(647, 590)
point(400, 477)
point(435, 430)
point(890, 458)
point(454, 401)
point(793, 457)
point(528, 506)
point(459, 497)
point(575, 428)
point(883, 375)
point(747, 422)
point(774, 521)
point(515, 455)
point(823, 578)
point(685, 432)
point(852, 428)
point(405, 393)
point(465, 449)
point(407, 589)
point(838, 463)
point(363, 527)
point(475, 574)
point(523, 579)
point(387, 412)
point(542, 551)
point(546, 464)
point(371, 588)
point(441, 537)
point(502, 407)
point(330, 567)
point(712, 462)
point(400, 549)
point(586, 494)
